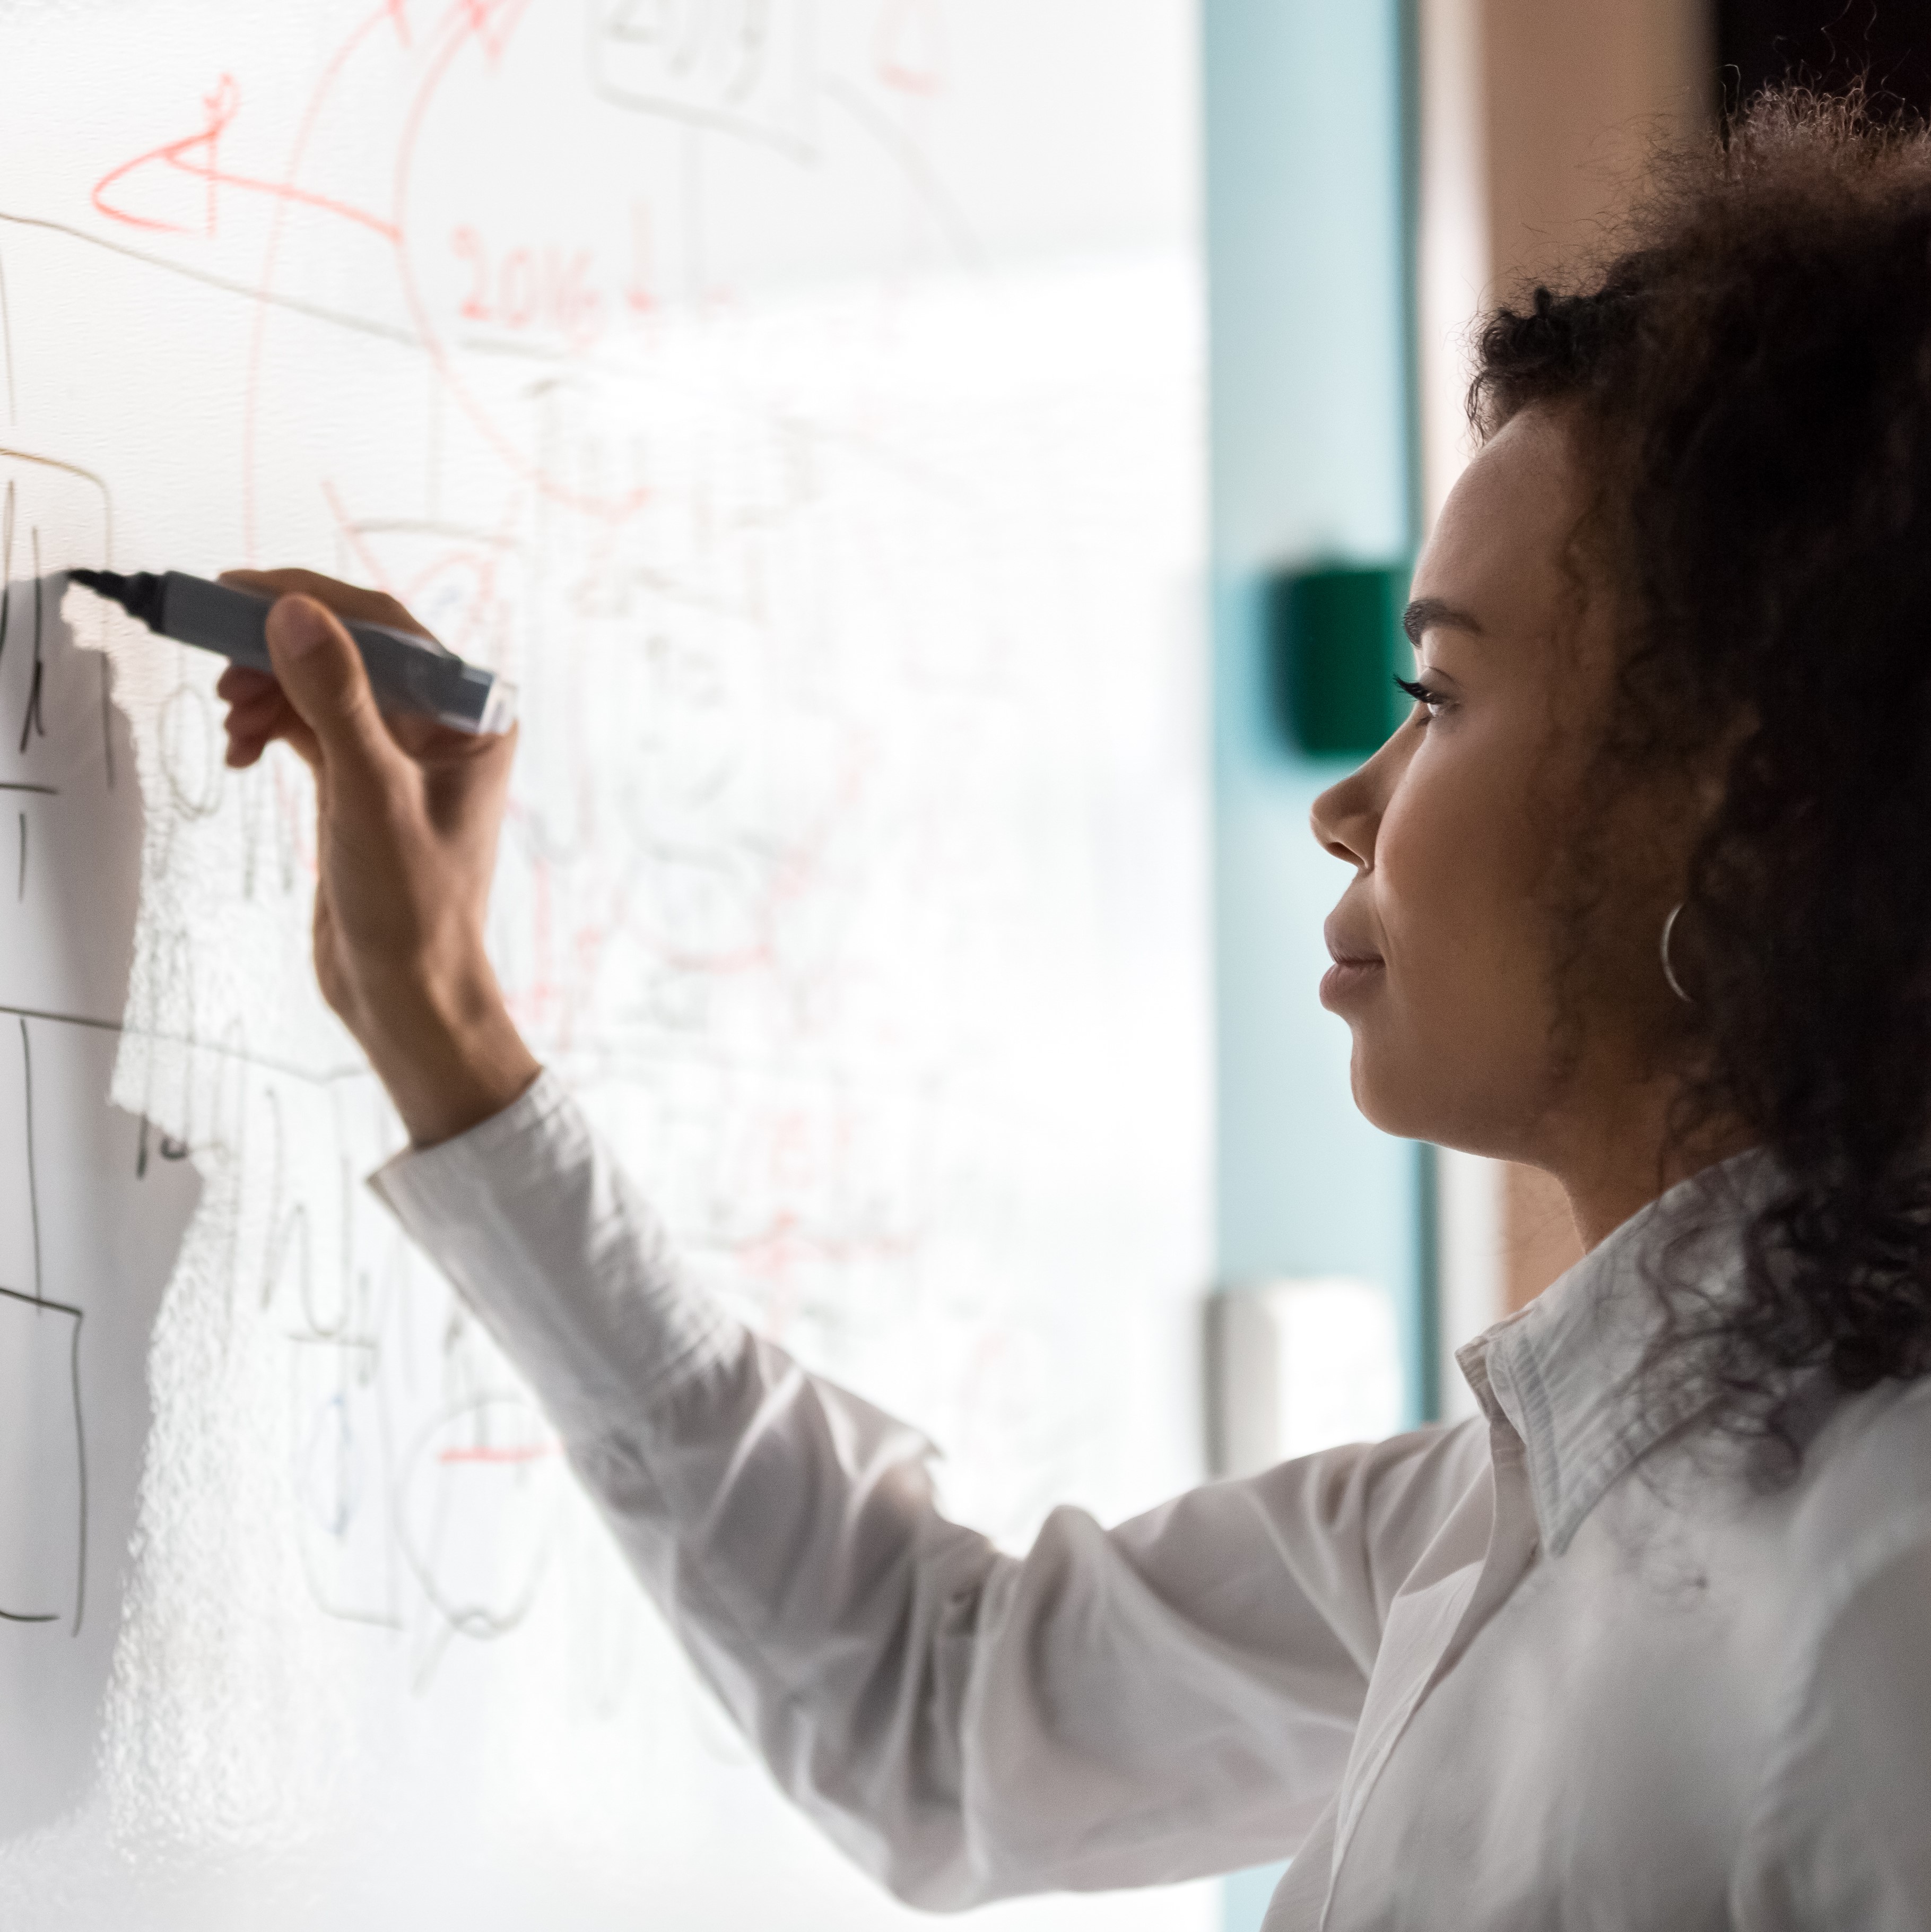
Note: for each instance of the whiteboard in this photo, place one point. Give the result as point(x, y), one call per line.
point(800, 400)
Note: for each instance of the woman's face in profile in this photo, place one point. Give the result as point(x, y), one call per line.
point(1444, 939)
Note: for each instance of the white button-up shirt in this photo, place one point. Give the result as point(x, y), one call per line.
point(1565, 1664)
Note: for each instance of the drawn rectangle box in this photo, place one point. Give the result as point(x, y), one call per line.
point(58, 737)
point(19, 1243)
point(53, 515)
point(43, 1488)
point(43, 1483)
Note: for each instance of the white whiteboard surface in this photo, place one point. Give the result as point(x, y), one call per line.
point(799, 400)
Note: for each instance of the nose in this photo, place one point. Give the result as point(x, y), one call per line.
point(1344, 818)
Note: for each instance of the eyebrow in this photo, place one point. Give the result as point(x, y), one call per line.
point(1429, 614)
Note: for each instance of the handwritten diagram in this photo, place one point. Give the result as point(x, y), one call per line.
point(44, 506)
point(650, 351)
point(43, 1456)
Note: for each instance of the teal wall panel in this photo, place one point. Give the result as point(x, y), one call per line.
point(1308, 268)
point(1308, 357)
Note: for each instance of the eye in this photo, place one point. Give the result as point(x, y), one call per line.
point(1433, 701)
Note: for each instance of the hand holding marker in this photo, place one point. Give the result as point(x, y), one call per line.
point(408, 672)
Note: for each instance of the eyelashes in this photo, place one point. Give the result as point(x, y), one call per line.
point(1430, 701)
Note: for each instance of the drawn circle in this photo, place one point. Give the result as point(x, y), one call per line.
point(190, 751)
point(475, 1508)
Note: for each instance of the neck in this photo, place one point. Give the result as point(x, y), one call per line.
point(1621, 1157)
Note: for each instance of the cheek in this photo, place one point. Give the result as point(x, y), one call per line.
point(1461, 1037)
point(1458, 867)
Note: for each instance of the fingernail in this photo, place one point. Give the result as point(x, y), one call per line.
point(299, 625)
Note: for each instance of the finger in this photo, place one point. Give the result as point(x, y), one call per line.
point(255, 720)
point(262, 695)
point(252, 728)
point(244, 750)
point(347, 600)
point(239, 684)
point(321, 675)
point(254, 708)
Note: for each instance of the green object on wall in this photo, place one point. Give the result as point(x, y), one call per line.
point(1334, 648)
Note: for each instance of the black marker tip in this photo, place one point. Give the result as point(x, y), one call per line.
point(139, 595)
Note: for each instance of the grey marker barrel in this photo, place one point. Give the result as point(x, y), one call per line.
point(408, 672)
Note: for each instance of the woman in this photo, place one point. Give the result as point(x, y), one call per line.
point(1640, 893)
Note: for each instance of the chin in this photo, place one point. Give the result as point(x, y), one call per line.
point(1409, 1097)
point(1403, 1094)
point(1390, 1103)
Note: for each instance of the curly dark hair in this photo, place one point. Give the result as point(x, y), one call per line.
point(1751, 377)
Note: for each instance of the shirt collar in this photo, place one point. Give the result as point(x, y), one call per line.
point(1563, 1371)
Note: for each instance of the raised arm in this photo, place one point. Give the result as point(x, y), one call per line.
point(1173, 1697)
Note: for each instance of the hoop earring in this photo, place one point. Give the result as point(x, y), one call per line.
point(1668, 971)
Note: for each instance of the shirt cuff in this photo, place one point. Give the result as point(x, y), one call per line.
point(545, 1238)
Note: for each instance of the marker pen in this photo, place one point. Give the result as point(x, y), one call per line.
point(408, 672)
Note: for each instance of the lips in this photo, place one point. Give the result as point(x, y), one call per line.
point(1357, 967)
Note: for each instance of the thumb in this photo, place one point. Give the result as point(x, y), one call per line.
point(321, 673)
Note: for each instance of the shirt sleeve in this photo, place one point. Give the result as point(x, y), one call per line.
point(1171, 1697)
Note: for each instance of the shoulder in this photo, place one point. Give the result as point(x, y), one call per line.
point(1405, 1483)
point(1346, 1524)
point(1386, 1501)
point(1361, 1495)
point(1412, 1480)
point(1864, 1495)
